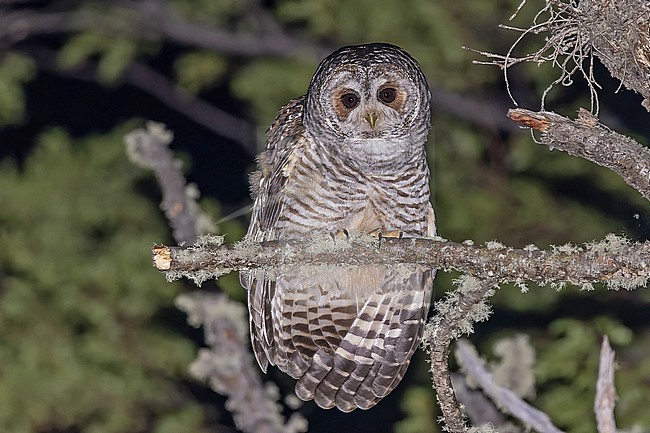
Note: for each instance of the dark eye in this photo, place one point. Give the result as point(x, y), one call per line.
point(387, 95)
point(350, 100)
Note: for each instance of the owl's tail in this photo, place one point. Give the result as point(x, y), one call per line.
point(374, 354)
point(349, 341)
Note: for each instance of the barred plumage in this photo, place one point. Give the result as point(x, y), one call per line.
point(350, 155)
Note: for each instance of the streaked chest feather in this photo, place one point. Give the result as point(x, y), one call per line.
point(324, 194)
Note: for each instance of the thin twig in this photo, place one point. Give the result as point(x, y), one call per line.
point(617, 32)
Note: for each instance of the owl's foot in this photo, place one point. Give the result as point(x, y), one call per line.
point(340, 234)
point(383, 234)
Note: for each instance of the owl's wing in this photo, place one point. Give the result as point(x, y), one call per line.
point(285, 136)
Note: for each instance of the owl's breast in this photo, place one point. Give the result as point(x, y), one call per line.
point(319, 200)
point(328, 195)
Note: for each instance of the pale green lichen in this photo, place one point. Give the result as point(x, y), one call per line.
point(326, 243)
point(567, 248)
point(523, 288)
point(247, 248)
point(209, 240)
point(199, 252)
point(448, 306)
point(495, 245)
point(627, 282)
point(558, 286)
point(485, 428)
point(611, 244)
point(622, 279)
point(531, 247)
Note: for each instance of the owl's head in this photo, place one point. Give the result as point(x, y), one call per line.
point(367, 96)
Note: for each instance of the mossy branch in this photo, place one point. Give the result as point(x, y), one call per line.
point(149, 148)
point(614, 261)
point(227, 363)
point(455, 316)
point(616, 32)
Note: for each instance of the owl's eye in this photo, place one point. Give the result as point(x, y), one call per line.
point(387, 95)
point(350, 100)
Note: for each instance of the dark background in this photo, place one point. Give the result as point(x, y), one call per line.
point(90, 339)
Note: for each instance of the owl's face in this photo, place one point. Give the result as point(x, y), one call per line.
point(369, 98)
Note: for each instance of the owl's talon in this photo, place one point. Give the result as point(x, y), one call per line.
point(340, 234)
point(382, 234)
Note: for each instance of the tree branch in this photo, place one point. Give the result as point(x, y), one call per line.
point(274, 43)
point(619, 32)
point(478, 408)
point(149, 148)
point(483, 113)
point(152, 20)
point(605, 390)
point(615, 261)
point(227, 363)
point(587, 138)
point(160, 87)
point(454, 316)
point(504, 398)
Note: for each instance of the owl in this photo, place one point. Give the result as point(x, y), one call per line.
point(349, 157)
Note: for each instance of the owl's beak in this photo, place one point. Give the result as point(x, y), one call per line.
point(371, 117)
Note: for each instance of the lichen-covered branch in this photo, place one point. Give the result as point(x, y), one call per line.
point(616, 32)
point(615, 261)
point(455, 316)
point(605, 401)
point(504, 398)
point(226, 364)
point(587, 138)
point(619, 32)
point(149, 148)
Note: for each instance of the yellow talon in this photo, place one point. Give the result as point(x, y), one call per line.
point(382, 234)
point(340, 234)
